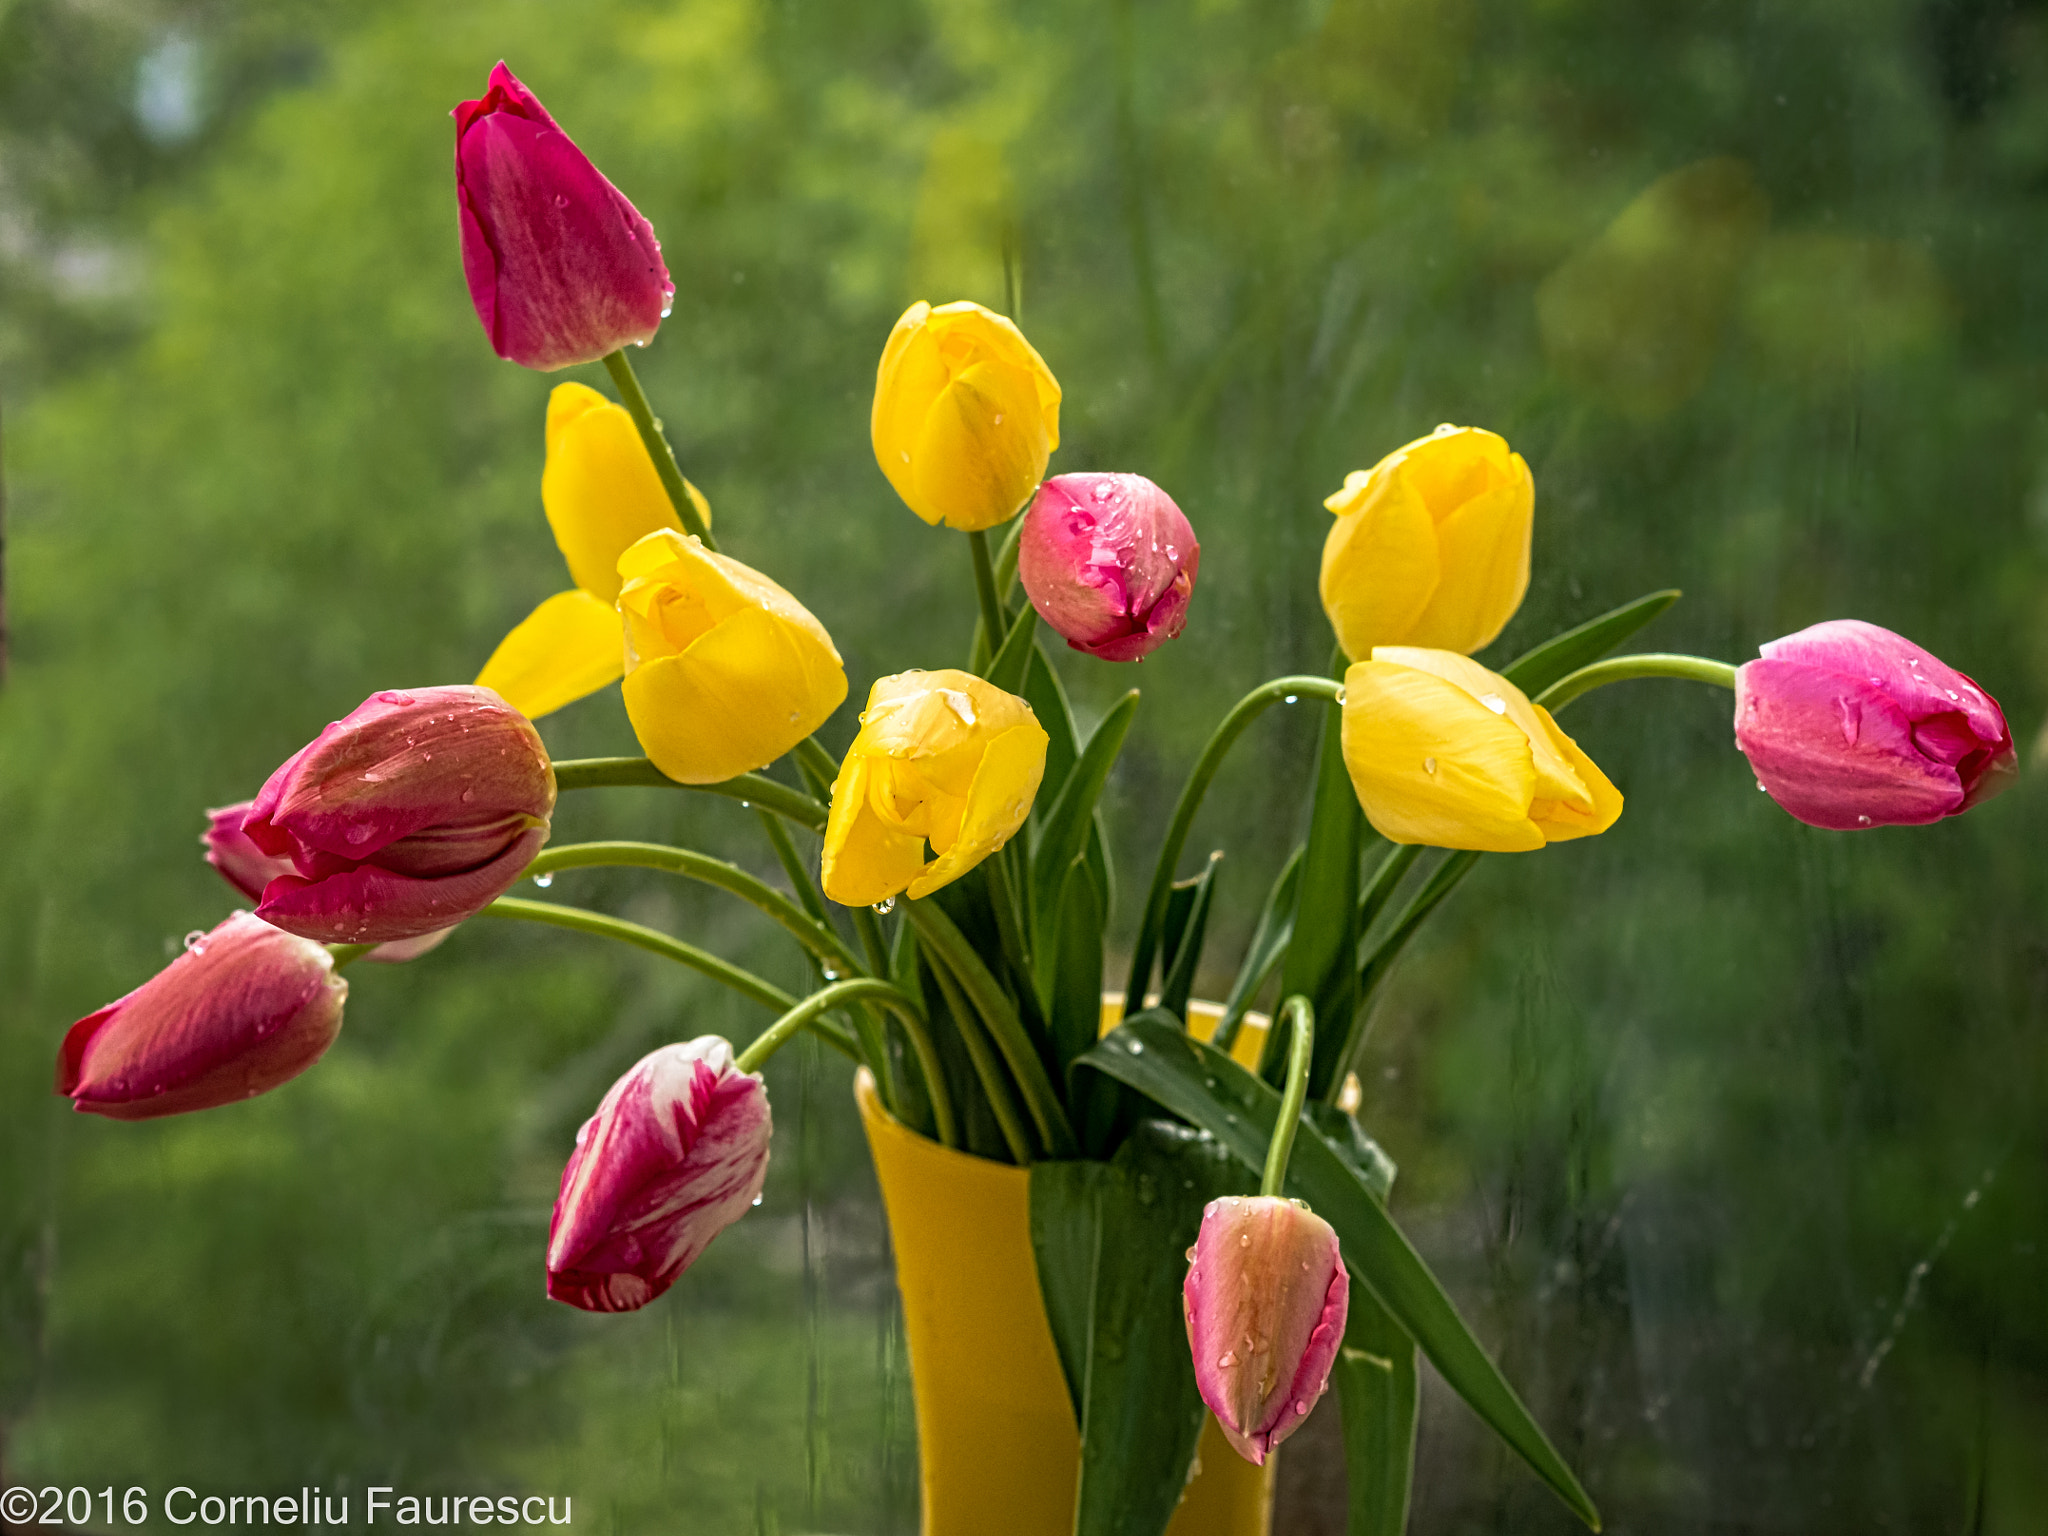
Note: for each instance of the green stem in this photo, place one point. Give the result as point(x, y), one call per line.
point(1246, 710)
point(348, 954)
point(994, 1083)
point(1298, 1011)
point(635, 400)
point(811, 752)
point(810, 1012)
point(792, 863)
point(815, 936)
point(918, 1028)
point(746, 983)
point(950, 948)
point(1006, 561)
point(1380, 889)
point(638, 773)
point(1622, 669)
point(992, 622)
point(871, 940)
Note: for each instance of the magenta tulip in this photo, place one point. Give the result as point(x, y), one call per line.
point(1109, 562)
point(1265, 1298)
point(561, 268)
point(1848, 725)
point(243, 1009)
point(413, 813)
point(674, 1155)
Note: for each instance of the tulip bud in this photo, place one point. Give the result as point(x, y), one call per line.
point(1443, 752)
point(414, 812)
point(966, 415)
point(674, 1155)
point(725, 671)
point(1848, 725)
point(561, 268)
point(1265, 1300)
point(1109, 562)
point(1430, 546)
point(941, 758)
point(243, 1009)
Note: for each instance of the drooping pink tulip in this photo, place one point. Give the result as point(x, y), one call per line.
point(674, 1155)
point(1265, 1299)
point(243, 1009)
point(1108, 561)
point(1848, 725)
point(415, 811)
point(561, 267)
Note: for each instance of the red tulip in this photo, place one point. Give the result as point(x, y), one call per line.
point(1848, 725)
point(1109, 562)
point(561, 268)
point(243, 1009)
point(674, 1155)
point(414, 812)
point(1265, 1299)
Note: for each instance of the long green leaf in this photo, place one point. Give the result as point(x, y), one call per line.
point(1322, 952)
point(1007, 670)
point(1376, 1386)
point(1048, 700)
point(1185, 933)
point(1064, 835)
point(1263, 955)
point(1110, 1240)
point(1153, 1056)
point(1534, 671)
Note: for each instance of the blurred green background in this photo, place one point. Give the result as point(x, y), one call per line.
point(1727, 1133)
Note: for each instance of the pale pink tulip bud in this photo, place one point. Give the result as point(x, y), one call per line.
point(243, 1009)
point(414, 812)
point(1847, 725)
point(561, 268)
point(1109, 562)
point(674, 1155)
point(1265, 1299)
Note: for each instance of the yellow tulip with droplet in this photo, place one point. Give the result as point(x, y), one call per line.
point(943, 759)
point(1443, 752)
point(725, 671)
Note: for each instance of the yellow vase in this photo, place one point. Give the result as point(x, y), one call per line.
point(998, 1451)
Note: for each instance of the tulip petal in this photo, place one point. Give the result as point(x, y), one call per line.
point(600, 488)
point(1486, 544)
point(866, 860)
point(1838, 751)
point(1004, 787)
point(1380, 567)
point(1556, 777)
point(1561, 820)
point(372, 905)
point(567, 648)
point(974, 463)
point(1433, 765)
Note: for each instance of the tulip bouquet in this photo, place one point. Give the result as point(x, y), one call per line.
point(1208, 1217)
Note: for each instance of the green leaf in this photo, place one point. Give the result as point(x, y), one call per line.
point(1111, 1242)
point(1152, 1055)
point(1007, 670)
point(1074, 996)
point(1322, 951)
point(1063, 837)
point(1048, 700)
point(1534, 671)
point(1185, 931)
point(1269, 944)
point(1376, 1387)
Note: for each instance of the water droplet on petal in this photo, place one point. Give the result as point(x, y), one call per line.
point(1862, 821)
point(196, 941)
point(1429, 766)
point(885, 906)
point(1244, 1240)
point(757, 1199)
point(1300, 1407)
point(1494, 702)
point(1229, 1359)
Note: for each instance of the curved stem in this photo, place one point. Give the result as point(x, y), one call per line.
point(638, 773)
point(792, 863)
point(1298, 1011)
point(820, 1002)
point(985, 591)
point(950, 948)
point(1242, 714)
point(635, 401)
point(746, 983)
point(348, 954)
point(811, 752)
point(815, 936)
point(1622, 669)
point(994, 1083)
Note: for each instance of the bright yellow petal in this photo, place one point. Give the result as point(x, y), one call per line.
point(1432, 764)
point(982, 451)
point(908, 380)
point(1453, 465)
point(1000, 337)
point(599, 487)
point(1004, 788)
point(865, 861)
point(1556, 778)
point(1483, 567)
point(1379, 565)
point(744, 692)
point(1561, 820)
point(567, 647)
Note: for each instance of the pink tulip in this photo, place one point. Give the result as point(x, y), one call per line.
point(413, 813)
point(561, 268)
point(1848, 725)
point(674, 1155)
point(1109, 562)
point(1265, 1299)
point(243, 1009)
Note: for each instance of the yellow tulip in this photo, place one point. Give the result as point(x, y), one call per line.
point(966, 415)
point(601, 494)
point(1431, 545)
point(725, 671)
point(1442, 751)
point(941, 758)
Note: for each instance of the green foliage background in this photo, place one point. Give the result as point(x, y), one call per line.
point(1731, 1133)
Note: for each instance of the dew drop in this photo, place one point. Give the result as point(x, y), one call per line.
point(829, 973)
point(1190, 1254)
point(544, 881)
point(746, 805)
point(1244, 1240)
point(1494, 702)
point(1228, 1360)
point(467, 796)
point(999, 419)
point(757, 1199)
point(1951, 693)
point(196, 941)
point(1429, 766)
point(1300, 1407)
point(1291, 698)
point(1137, 1047)
point(885, 906)
point(1340, 695)
point(1862, 821)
